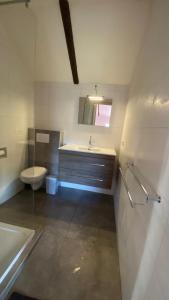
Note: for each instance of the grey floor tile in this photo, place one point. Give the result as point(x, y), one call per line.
point(76, 257)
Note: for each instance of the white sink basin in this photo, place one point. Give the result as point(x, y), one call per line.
point(87, 149)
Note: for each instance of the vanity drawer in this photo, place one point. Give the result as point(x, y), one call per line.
point(86, 179)
point(86, 168)
point(85, 162)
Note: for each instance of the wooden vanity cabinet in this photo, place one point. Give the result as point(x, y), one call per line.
point(86, 168)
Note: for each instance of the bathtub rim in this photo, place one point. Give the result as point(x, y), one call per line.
point(7, 283)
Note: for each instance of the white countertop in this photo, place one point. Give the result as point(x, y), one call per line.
point(86, 149)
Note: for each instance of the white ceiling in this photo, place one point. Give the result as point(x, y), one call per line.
point(108, 35)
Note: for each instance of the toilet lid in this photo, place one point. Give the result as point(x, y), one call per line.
point(34, 172)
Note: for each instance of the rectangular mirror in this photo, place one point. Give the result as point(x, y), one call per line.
point(97, 113)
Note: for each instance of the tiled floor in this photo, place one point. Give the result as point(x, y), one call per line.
point(76, 258)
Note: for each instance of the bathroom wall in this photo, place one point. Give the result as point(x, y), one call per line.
point(56, 108)
point(143, 231)
point(16, 111)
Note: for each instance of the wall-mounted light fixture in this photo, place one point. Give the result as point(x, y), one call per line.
point(160, 101)
point(95, 97)
point(9, 2)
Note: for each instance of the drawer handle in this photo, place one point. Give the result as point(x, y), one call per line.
point(99, 165)
point(95, 179)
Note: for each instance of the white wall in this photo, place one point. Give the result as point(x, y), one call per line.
point(56, 107)
point(16, 115)
point(143, 232)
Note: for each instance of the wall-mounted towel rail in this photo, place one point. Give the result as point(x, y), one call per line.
point(132, 203)
point(149, 193)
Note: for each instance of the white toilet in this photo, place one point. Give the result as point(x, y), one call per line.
point(33, 176)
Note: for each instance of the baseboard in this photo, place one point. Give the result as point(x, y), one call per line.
point(86, 188)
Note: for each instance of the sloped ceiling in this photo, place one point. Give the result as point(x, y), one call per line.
point(108, 35)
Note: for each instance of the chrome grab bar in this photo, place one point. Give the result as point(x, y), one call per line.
point(149, 196)
point(132, 203)
point(126, 187)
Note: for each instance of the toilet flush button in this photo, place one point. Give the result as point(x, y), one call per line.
point(3, 152)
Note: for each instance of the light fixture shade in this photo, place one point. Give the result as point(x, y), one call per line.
point(96, 98)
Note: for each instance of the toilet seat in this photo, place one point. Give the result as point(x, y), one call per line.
point(33, 174)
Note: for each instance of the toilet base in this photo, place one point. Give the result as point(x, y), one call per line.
point(36, 186)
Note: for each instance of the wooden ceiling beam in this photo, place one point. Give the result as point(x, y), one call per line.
point(67, 24)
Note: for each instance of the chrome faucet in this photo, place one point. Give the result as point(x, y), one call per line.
point(90, 143)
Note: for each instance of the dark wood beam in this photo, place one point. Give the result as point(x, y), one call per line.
point(67, 24)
